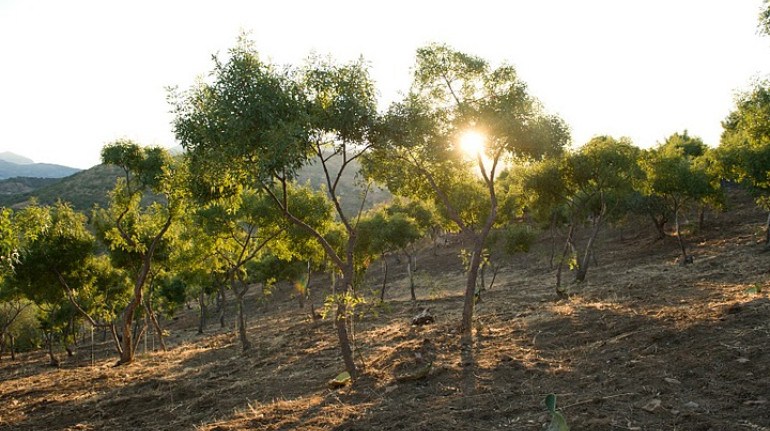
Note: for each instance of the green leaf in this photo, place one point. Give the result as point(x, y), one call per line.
point(341, 380)
point(558, 422)
point(550, 402)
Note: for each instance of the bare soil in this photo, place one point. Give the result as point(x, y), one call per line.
point(644, 344)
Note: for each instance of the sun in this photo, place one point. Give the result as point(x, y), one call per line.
point(472, 143)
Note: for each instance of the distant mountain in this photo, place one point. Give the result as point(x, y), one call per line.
point(15, 158)
point(36, 170)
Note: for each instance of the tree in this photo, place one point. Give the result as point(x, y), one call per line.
point(56, 250)
point(454, 98)
point(743, 154)
point(595, 181)
point(383, 231)
point(240, 229)
point(764, 18)
point(135, 233)
point(673, 175)
point(255, 126)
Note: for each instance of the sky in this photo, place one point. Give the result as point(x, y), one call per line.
point(76, 75)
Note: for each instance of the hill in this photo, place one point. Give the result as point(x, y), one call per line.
point(83, 190)
point(38, 170)
point(21, 185)
point(15, 158)
point(643, 344)
point(87, 188)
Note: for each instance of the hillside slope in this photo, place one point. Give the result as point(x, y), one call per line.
point(643, 345)
point(38, 170)
point(91, 187)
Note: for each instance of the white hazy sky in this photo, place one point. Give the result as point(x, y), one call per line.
point(75, 75)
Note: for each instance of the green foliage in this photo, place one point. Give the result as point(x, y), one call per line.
point(743, 154)
point(56, 246)
point(518, 238)
point(558, 422)
point(764, 18)
point(673, 172)
point(9, 242)
point(25, 326)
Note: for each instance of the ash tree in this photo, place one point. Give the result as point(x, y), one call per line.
point(455, 99)
point(254, 125)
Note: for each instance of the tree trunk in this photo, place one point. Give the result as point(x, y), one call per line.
point(660, 225)
point(685, 259)
point(340, 322)
point(202, 315)
point(552, 231)
point(240, 293)
point(156, 325)
point(49, 341)
point(384, 277)
point(12, 346)
point(222, 295)
point(470, 286)
point(567, 247)
point(411, 279)
point(767, 230)
point(582, 271)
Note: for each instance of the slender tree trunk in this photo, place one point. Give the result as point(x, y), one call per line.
point(767, 230)
point(660, 225)
point(384, 276)
point(222, 305)
point(411, 279)
point(582, 271)
point(702, 218)
point(156, 326)
point(552, 231)
point(567, 247)
point(49, 341)
point(12, 346)
point(682, 246)
point(202, 315)
point(240, 292)
point(340, 322)
point(470, 287)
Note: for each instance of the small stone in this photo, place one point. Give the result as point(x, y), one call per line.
point(742, 360)
point(691, 405)
point(672, 381)
point(652, 405)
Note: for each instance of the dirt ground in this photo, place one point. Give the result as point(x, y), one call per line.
point(644, 344)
